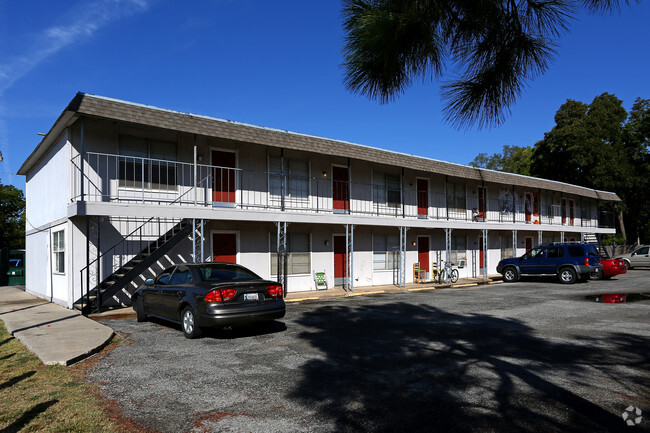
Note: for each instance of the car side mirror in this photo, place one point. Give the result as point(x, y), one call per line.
point(149, 281)
point(633, 254)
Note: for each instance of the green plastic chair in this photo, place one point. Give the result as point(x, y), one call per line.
point(320, 280)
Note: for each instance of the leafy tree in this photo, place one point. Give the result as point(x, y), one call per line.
point(12, 217)
point(513, 159)
point(493, 48)
point(599, 146)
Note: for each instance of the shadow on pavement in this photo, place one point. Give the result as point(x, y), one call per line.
point(402, 367)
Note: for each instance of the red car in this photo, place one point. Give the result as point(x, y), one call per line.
point(611, 267)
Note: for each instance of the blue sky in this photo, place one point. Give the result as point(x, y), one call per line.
point(274, 64)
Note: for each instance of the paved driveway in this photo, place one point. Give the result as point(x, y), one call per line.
point(525, 357)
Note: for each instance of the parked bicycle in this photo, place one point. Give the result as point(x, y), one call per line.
point(442, 275)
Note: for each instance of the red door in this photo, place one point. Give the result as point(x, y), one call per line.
point(340, 188)
point(224, 247)
point(571, 212)
point(223, 177)
point(563, 211)
point(481, 253)
point(339, 259)
point(423, 253)
point(529, 244)
point(423, 198)
point(481, 202)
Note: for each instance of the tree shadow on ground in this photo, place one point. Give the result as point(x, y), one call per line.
point(404, 367)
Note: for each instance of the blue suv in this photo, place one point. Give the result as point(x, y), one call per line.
point(568, 261)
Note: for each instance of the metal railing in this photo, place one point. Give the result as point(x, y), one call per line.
point(116, 178)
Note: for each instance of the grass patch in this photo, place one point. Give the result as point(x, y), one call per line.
point(46, 398)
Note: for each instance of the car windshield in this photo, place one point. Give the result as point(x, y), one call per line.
point(217, 273)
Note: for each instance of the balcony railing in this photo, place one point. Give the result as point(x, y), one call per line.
point(126, 179)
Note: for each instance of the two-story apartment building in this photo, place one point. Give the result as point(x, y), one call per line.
point(118, 191)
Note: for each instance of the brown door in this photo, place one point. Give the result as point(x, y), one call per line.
point(223, 177)
point(423, 253)
point(529, 244)
point(339, 260)
point(340, 189)
point(224, 247)
point(423, 199)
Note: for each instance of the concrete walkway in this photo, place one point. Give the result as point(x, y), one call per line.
point(54, 333)
point(61, 336)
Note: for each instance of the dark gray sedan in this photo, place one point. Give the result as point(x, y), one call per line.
point(217, 295)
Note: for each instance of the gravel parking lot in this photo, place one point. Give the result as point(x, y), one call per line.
point(525, 357)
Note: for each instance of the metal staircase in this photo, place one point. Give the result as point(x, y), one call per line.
point(113, 291)
point(596, 240)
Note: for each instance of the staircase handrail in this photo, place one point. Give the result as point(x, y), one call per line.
point(125, 238)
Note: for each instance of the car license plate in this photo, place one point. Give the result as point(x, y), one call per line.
point(251, 297)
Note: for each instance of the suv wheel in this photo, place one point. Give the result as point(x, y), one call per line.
point(567, 276)
point(510, 275)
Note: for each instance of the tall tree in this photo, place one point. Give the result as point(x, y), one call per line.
point(494, 48)
point(599, 146)
point(12, 217)
point(513, 159)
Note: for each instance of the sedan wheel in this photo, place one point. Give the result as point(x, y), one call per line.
point(567, 276)
point(598, 275)
point(188, 323)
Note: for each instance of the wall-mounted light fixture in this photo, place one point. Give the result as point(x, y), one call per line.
point(413, 243)
point(327, 242)
point(324, 174)
point(199, 158)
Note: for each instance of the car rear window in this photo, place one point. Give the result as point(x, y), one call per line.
point(218, 273)
point(576, 251)
point(591, 251)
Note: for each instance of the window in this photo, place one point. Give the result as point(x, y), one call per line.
point(163, 278)
point(58, 251)
point(456, 202)
point(386, 192)
point(385, 252)
point(298, 254)
point(297, 182)
point(554, 252)
point(458, 249)
point(149, 164)
point(181, 276)
point(576, 251)
point(506, 247)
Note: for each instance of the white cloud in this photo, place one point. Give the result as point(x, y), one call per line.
point(92, 17)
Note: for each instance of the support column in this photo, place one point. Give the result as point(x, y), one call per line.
point(514, 243)
point(485, 255)
point(348, 279)
point(448, 254)
point(282, 255)
point(198, 240)
point(562, 237)
point(540, 238)
point(402, 256)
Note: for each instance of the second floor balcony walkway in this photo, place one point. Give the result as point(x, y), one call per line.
point(125, 179)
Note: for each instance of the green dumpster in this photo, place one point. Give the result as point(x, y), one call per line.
point(16, 272)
